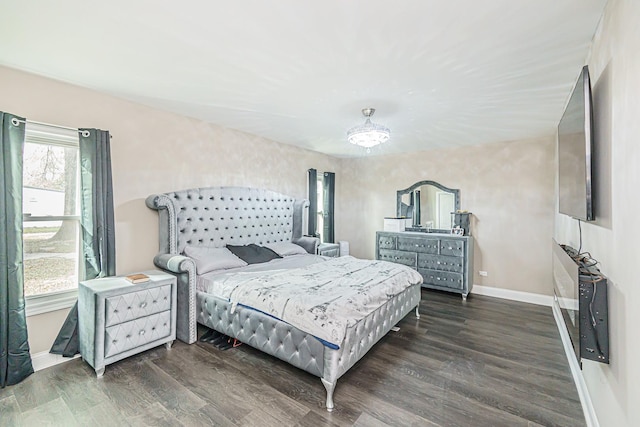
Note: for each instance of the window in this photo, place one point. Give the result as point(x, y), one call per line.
point(51, 221)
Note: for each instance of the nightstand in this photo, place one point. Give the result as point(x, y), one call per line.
point(117, 318)
point(329, 249)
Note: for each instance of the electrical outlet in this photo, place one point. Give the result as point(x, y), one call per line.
point(483, 273)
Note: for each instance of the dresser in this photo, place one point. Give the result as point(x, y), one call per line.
point(117, 318)
point(445, 261)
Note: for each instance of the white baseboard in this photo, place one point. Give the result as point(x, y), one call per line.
point(509, 294)
point(581, 385)
point(44, 360)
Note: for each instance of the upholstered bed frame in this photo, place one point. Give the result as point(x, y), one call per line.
point(218, 216)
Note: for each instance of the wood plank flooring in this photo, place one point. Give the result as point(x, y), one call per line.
point(486, 362)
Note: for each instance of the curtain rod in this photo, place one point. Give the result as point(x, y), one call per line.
point(15, 122)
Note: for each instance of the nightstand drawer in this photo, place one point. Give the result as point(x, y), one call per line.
point(122, 308)
point(136, 333)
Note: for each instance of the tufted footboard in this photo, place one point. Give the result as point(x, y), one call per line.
point(298, 348)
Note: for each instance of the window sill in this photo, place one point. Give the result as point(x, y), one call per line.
point(40, 304)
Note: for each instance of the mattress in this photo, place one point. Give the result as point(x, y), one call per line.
point(323, 299)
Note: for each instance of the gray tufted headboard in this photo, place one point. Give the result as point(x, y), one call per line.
point(218, 216)
point(215, 217)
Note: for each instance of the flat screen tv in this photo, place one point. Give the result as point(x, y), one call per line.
point(575, 148)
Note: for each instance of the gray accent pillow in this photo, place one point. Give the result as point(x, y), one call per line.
point(209, 259)
point(286, 248)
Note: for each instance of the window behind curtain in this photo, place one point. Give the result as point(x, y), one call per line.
point(51, 209)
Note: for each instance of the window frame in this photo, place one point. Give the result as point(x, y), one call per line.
point(57, 300)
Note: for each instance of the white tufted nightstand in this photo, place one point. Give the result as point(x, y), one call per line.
point(117, 319)
point(329, 249)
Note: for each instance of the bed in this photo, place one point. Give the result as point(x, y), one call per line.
point(208, 220)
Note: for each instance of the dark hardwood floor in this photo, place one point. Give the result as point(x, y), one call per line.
point(486, 362)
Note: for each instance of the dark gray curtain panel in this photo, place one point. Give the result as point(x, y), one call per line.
point(15, 361)
point(313, 202)
point(96, 222)
point(417, 215)
point(96, 204)
point(328, 210)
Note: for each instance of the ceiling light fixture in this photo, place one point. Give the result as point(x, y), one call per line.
point(368, 134)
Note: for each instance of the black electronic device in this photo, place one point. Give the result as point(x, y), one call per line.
point(575, 150)
point(581, 292)
point(594, 319)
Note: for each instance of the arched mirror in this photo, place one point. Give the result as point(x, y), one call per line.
point(429, 204)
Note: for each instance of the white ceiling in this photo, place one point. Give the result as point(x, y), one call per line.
point(439, 73)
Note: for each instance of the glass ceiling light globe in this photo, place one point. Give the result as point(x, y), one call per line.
point(368, 134)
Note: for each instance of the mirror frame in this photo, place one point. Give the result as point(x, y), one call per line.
point(455, 191)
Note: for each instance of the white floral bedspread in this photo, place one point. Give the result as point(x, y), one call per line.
point(321, 299)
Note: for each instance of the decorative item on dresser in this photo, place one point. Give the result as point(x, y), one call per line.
point(445, 261)
point(118, 318)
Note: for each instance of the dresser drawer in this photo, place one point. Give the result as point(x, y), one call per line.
point(122, 308)
point(386, 242)
point(418, 244)
point(135, 333)
point(441, 262)
point(399, 257)
point(451, 247)
point(442, 278)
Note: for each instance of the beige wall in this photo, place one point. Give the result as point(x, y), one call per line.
point(613, 239)
point(509, 188)
point(153, 151)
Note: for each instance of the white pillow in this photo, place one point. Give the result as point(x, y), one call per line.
point(209, 259)
point(286, 248)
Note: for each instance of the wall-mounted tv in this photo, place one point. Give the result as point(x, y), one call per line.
point(575, 148)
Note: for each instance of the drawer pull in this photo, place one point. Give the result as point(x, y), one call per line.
point(142, 332)
point(143, 305)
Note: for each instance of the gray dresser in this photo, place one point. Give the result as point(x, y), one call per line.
point(445, 261)
point(118, 318)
